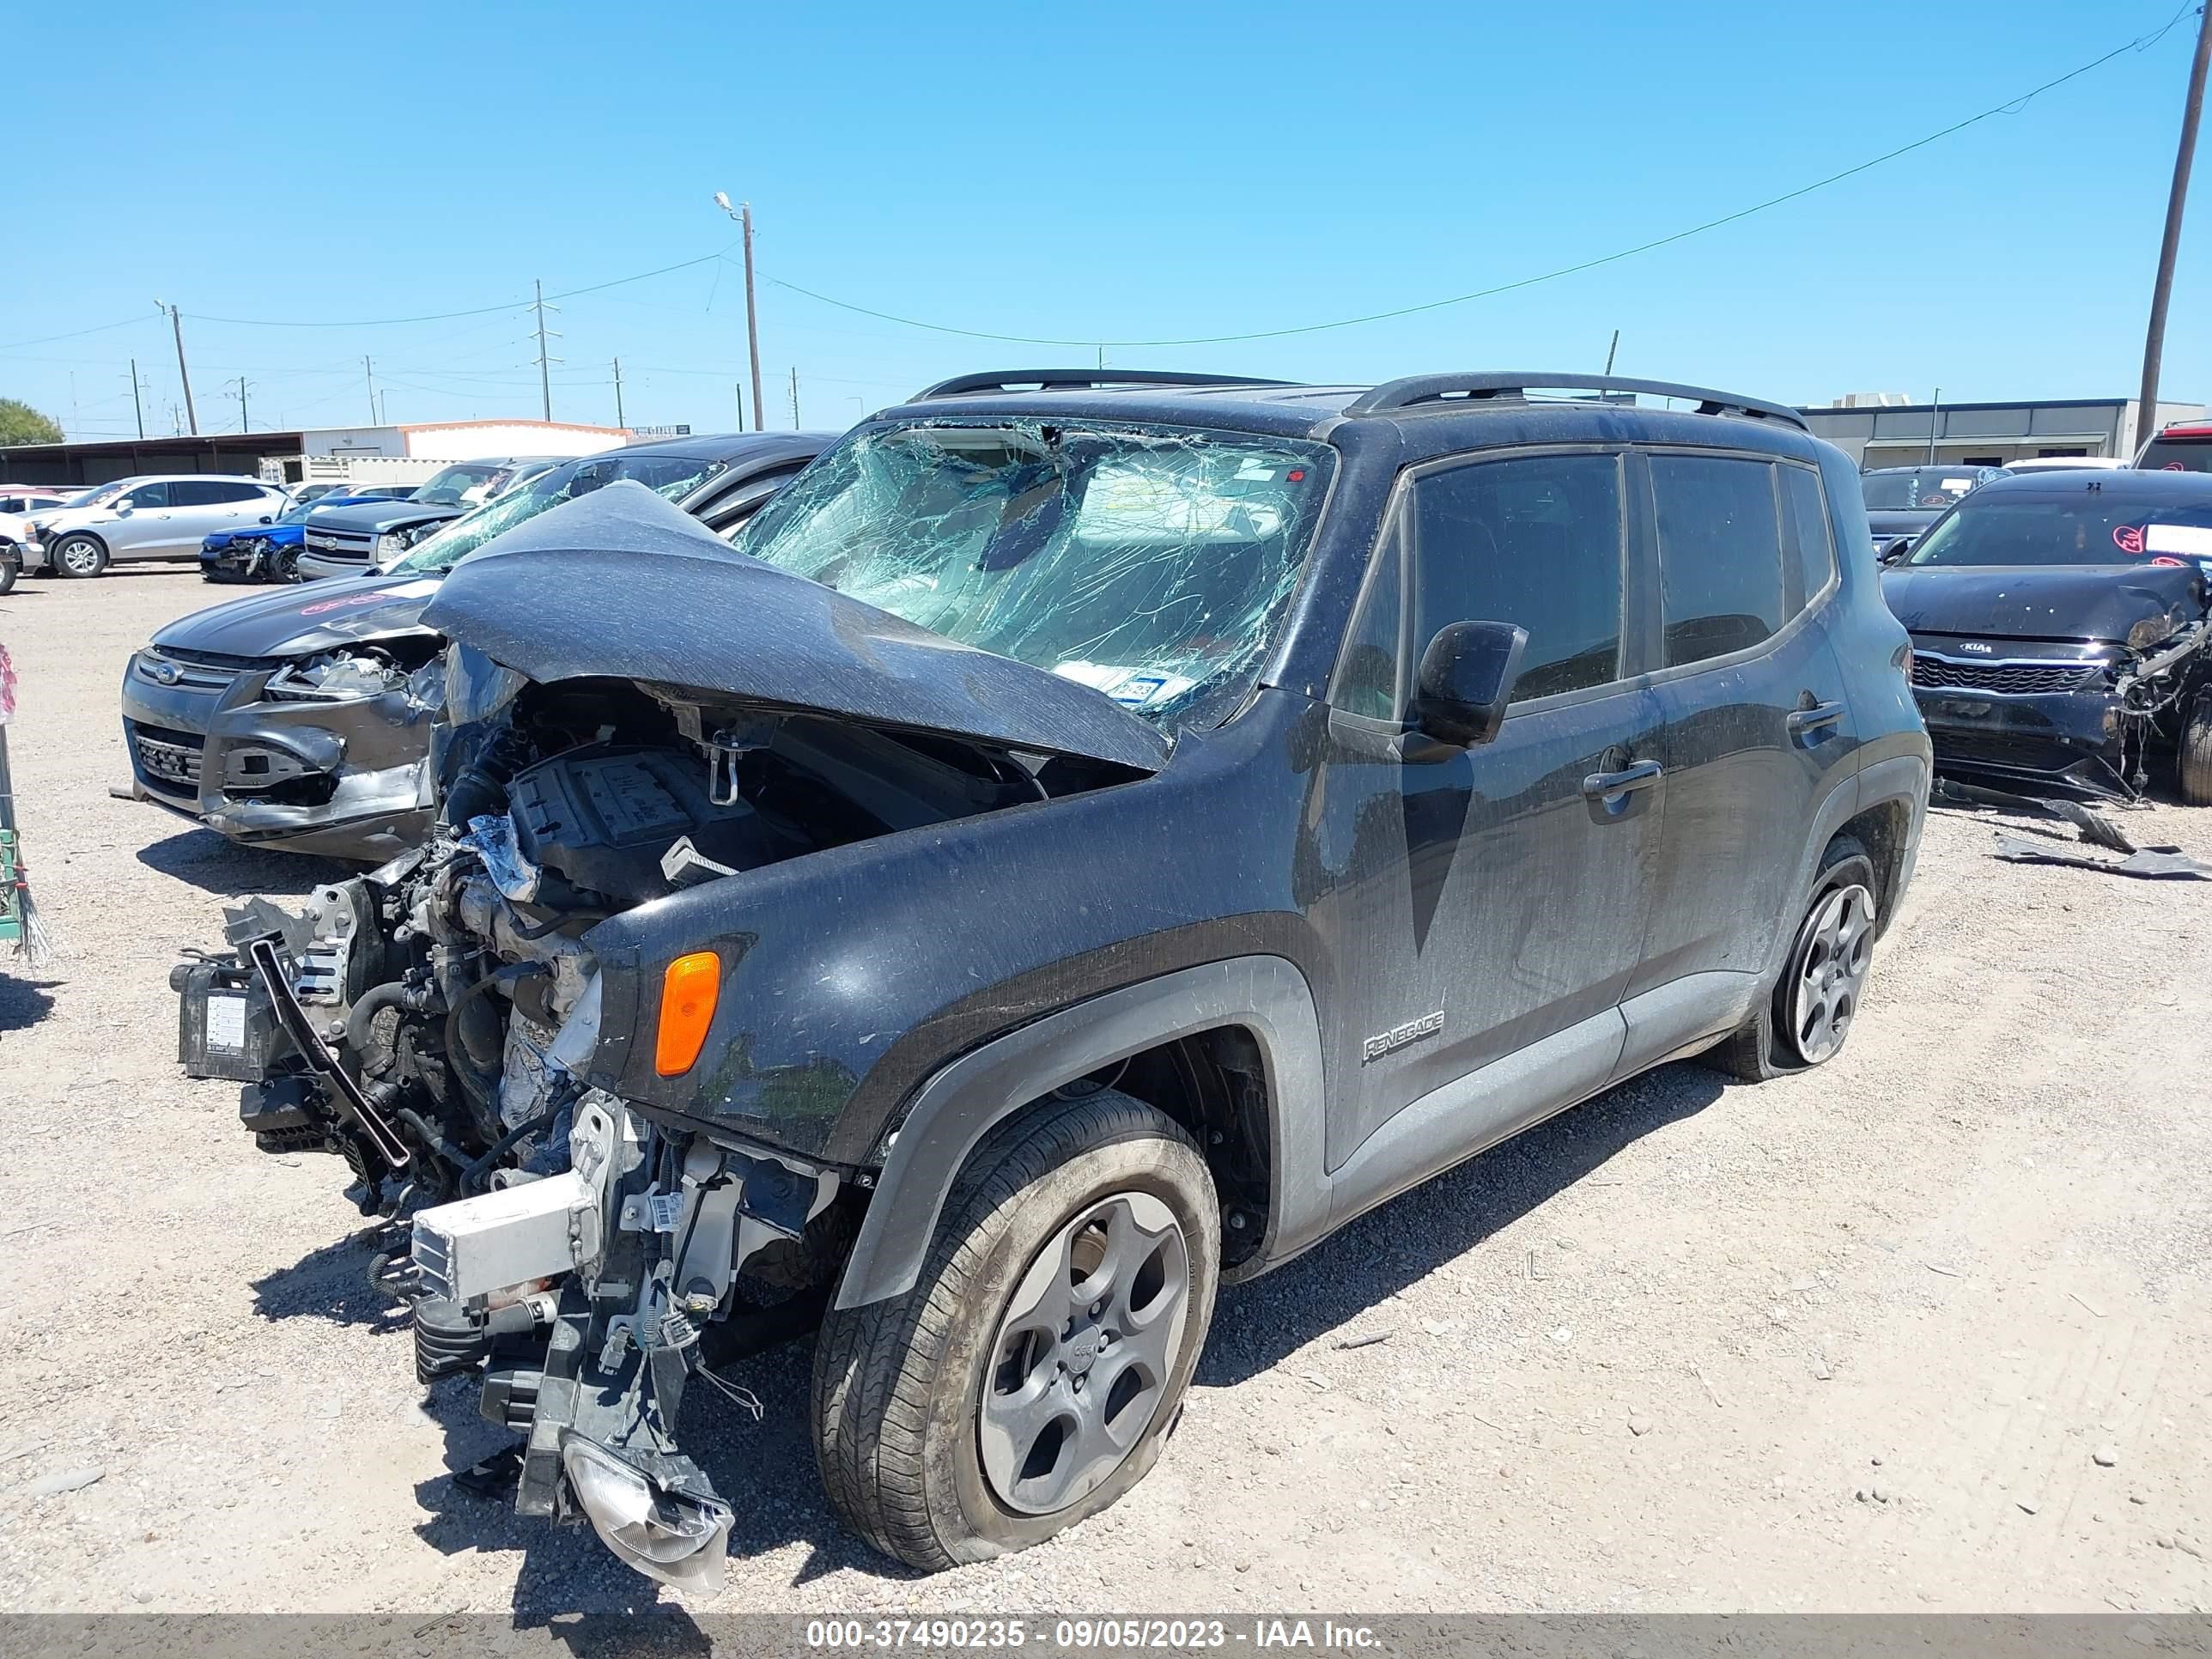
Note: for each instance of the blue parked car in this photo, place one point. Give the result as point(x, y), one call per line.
point(267, 551)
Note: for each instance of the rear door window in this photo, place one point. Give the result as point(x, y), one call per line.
point(210, 492)
point(1535, 541)
point(1812, 543)
point(1720, 555)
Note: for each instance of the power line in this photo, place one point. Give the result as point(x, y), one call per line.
point(445, 316)
point(2010, 107)
point(74, 334)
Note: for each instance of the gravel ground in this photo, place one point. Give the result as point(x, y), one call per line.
point(1926, 1329)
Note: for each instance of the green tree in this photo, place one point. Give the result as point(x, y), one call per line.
point(20, 423)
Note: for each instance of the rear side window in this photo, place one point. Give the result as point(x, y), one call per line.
point(1812, 543)
point(1720, 555)
point(208, 492)
point(1536, 542)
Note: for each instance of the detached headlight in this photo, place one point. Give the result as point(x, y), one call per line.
point(334, 676)
point(679, 1539)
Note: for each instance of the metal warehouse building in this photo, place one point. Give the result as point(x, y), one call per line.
point(1874, 432)
point(403, 452)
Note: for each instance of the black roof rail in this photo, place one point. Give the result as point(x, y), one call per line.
point(1076, 380)
point(1417, 389)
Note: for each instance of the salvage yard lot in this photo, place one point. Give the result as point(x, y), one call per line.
point(1924, 1329)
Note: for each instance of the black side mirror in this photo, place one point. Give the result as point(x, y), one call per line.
point(1465, 675)
point(1895, 552)
point(265, 518)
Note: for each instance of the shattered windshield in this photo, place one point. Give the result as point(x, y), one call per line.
point(458, 485)
point(674, 476)
point(2090, 529)
point(1148, 562)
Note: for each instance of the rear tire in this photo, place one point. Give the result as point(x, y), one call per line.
point(77, 556)
point(953, 1422)
point(11, 567)
point(1773, 1042)
point(2193, 753)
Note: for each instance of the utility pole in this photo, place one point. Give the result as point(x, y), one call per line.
point(752, 320)
point(794, 399)
point(2192, 110)
point(544, 363)
point(136, 407)
point(177, 328)
point(619, 408)
point(739, 388)
point(243, 424)
point(1935, 417)
point(742, 213)
point(1610, 349)
point(369, 372)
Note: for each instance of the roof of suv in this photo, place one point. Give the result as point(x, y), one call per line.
point(725, 447)
point(2129, 484)
point(137, 479)
point(1285, 406)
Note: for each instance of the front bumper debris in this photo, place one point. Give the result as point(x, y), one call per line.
point(346, 778)
point(2071, 740)
point(645, 1237)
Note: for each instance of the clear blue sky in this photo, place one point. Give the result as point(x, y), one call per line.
point(1141, 171)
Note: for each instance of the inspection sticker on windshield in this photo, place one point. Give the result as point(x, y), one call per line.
point(666, 1209)
point(1130, 687)
point(226, 1024)
point(1137, 688)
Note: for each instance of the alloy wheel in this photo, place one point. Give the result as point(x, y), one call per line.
point(79, 557)
point(1080, 1366)
point(1828, 971)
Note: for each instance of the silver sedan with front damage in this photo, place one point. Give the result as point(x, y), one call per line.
point(286, 718)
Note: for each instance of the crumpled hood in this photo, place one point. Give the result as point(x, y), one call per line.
point(2129, 604)
point(300, 621)
point(620, 583)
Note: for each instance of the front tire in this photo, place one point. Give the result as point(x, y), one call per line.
point(1031, 1375)
point(1803, 1021)
point(11, 567)
point(77, 556)
point(2193, 753)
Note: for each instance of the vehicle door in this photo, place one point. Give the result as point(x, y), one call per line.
point(140, 524)
point(203, 506)
point(1757, 727)
point(1482, 900)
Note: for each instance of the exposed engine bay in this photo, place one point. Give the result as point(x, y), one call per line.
point(428, 1021)
point(2068, 678)
point(432, 1023)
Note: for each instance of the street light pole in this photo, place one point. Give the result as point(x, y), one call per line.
point(742, 213)
point(2192, 110)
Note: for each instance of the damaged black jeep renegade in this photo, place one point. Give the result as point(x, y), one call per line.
point(1096, 836)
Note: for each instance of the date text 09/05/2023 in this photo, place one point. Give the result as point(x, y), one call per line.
point(1082, 1634)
